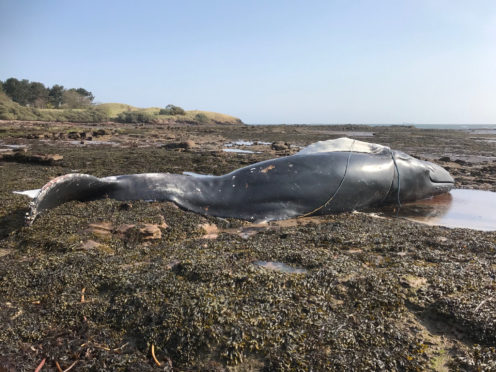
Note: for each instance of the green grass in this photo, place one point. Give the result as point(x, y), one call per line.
point(10, 110)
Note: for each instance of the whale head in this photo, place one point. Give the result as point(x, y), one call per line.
point(419, 179)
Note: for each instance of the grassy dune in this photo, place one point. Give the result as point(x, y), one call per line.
point(114, 109)
point(10, 110)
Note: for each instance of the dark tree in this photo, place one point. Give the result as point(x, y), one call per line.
point(38, 95)
point(56, 95)
point(83, 92)
point(17, 90)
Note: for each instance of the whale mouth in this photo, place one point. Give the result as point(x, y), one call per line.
point(438, 174)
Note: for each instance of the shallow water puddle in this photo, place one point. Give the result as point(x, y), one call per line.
point(279, 266)
point(471, 209)
point(239, 151)
point(246, 143)
point(93, 142)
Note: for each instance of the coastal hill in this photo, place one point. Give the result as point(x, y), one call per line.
point(127, 113)
point(114, 112)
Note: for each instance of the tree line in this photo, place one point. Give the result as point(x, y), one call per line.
point(37, 95)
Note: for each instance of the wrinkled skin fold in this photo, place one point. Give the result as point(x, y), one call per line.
point(324, 178)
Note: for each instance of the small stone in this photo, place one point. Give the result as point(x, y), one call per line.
point(280, 145)
point(124, 229)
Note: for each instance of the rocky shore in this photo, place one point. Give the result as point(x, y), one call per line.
point(144, 286)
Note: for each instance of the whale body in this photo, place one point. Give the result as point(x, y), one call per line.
point(324, 178)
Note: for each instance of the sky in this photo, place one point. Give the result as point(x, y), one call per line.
point(270, 61)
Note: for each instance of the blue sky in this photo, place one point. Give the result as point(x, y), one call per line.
point(377, 61)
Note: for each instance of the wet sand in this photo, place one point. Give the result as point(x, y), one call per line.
point(100, 283)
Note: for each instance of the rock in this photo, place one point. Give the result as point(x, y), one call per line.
point(445, 158)
point(163, 224)
point(125, 206)
point(414, 282)
point(186, 145)
point(73, 135)
point(82, 135)
point(280, 145)
point(150, 232)
point(90, 244)
point(211, 231)
point(124, 229)
point(34, 136)
point(461, 162)
point(99, 132)
point(48, 158)
point(21, 157)
point(101, 229)
point(147, 231)
point(6, 155)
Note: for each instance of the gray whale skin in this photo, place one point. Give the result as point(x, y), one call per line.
point(324, 178)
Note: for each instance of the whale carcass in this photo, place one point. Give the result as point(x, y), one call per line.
point(324, 178)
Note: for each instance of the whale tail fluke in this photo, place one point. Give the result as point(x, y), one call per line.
point(73, 186)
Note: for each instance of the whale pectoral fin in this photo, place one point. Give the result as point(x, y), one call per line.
point(67, 188)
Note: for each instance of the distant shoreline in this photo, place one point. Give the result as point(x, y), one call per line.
point(419, 126)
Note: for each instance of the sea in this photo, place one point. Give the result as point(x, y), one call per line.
point(470, 127)
point(490, 127)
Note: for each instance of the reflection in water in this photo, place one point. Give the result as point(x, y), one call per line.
point(472, 209)
point(279, 266)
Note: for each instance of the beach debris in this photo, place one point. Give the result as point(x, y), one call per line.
point(40, 366)
point(154, 357)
